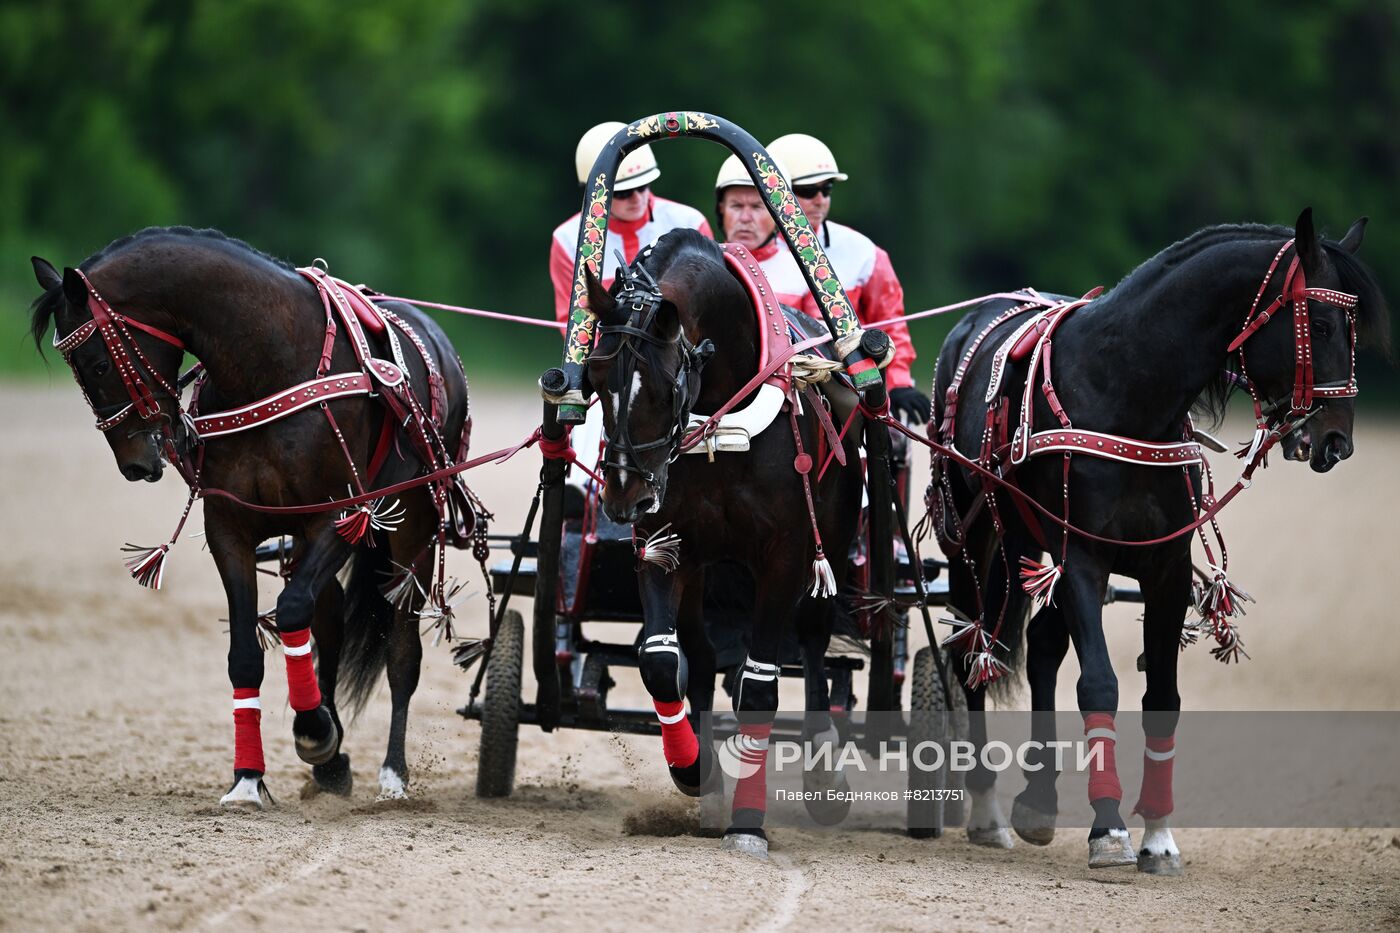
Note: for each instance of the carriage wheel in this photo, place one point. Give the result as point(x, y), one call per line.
point(936, 714)
point(500, 709)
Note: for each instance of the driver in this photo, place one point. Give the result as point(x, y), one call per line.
point(863, 268)
point(638, 218)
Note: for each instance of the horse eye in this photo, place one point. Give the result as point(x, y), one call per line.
point(102, 368)
point(1323, 329)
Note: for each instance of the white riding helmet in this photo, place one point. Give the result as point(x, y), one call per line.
point(809, 159)
point(637, 170)
point(733, 173)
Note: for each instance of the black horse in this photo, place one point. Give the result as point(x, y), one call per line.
point(747, 508)
point(1133, 364)
point(258, 327)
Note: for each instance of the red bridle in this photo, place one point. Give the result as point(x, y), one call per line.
point(124, 353)
point(1296, 291)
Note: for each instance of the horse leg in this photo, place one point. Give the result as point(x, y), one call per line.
point(1003, 598)
point(1166, 600)
point(825, 801)
point(665, 674)
point(237, 568)
point(328, 628)
point(1047, 643)
point(700, 690)
point(410, 546)
point(316, 735)
point(756, 705)
point(1080, 597)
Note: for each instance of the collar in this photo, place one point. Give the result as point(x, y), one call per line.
point(768, 248)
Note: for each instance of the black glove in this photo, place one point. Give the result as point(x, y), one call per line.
point(910, 404)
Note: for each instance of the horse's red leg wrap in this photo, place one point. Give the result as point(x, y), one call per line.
point(247, 730)
point(1155, 801)
point(678, 740)
point(751, 791)
point(302, 691)
point(1103, 765)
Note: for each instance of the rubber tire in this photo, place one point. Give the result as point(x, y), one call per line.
point(500, 710)
point(929, 721)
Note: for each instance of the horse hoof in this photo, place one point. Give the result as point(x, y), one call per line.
point(1032, 825)
point(746, 843)
point(391, 785)
point(1112, 850)
point(1161, 863)
point(697, 777)
point(993, 837)
point(247, 793)
point(830, 800)
point(335, 776)
point(312, 748)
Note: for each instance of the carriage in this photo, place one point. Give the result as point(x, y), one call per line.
point(582, 573)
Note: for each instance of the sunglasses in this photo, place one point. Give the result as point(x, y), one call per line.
point(629, 195)
point(811, 191)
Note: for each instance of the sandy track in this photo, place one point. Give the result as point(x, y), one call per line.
point(114, 721)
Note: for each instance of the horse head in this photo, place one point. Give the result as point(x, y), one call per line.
point(1303, 366)
point(647, 378)
point(125, 369)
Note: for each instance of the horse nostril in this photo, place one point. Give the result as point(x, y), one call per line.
point(644, 505)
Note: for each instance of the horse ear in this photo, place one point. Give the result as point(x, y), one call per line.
point(74, 288)
point(1352, 241)
point(46, 274)
point(599, 301)
point(1305, 242)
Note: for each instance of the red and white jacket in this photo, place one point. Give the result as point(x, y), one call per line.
point(865, 271)
point(661, 217)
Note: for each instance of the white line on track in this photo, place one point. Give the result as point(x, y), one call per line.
point(785, 910)
point(329, 851)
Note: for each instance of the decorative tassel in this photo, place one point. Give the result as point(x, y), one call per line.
point(146, 564)
point(1218, 603)
point(661, 549)
point(967, 634)
point(266, 629)
point(823, 580)
point(377, 514)
point(1190, 632)
point(1039, 581)
point(401, 588)
point(437, 613)
point(466, 652)
point(985, 668)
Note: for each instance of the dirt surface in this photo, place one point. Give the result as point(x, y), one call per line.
point(117, 743)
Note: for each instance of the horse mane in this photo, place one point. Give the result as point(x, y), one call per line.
point(46, 305)
point(678, 244)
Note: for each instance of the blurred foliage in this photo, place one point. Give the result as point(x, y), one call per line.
point(427, 148)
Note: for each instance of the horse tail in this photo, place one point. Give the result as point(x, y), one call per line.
point(368, 619)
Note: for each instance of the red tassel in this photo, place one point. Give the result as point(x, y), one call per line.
point(1039, 581)
point(353, 526)
point(986, 667)
point(146, 564)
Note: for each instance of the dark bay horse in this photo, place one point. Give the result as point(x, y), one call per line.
point(749, 508)
point(259, 327)
point(1132, 365)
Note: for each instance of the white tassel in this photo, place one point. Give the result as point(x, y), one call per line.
point(437, 613)
point(661, 549)
point(823, 579)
